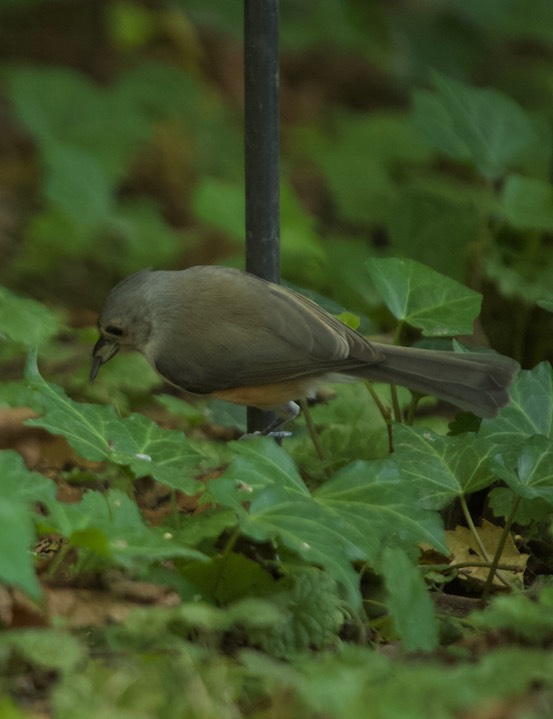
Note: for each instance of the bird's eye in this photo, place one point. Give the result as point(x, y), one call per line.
point(113, 330)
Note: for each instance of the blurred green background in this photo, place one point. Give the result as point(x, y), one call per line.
point(410, 129)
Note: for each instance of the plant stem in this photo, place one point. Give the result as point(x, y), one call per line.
point(395, 403)
point(498, 552)
point(415, 397)
point(312, 430)
point(384, 411)
point(476, 536)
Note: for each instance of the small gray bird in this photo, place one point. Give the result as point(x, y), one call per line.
point(216, 331)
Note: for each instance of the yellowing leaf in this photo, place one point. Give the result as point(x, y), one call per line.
point(464, 549)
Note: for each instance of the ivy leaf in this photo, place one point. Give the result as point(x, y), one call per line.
point(419, 221)
point(98, 434)
point(528, 470)
point(18, 489)
point(520, 615)
point(26, 321)
point(110, 525)
point(484, 126)
point(442, 468)
point(424, 298)
point(259, 464)
point(312, 615)
point(527, 203)
point(502, 501)
point(77, 184)
point(547, 304)
point(16, 538)
point(374, 505)
point(408, 601)
point(305, 528)
point(54, 649)
point(529, 412)
point(18, 482)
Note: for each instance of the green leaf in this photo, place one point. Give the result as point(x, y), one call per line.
point(19, 490)
point(192, 414)
point(481, 125)
point(98, 434)
point(52, 649)
point(360, 157)
point(527, 203)
point(281, 509)
point(110, 525)
point(206, 525)
point(77, 184)
point(306, 528)
point(59, 105)
point(303, 254)
point(528, 470)
point(220, 203)
point(424, 298)
point(546, 304)
point(260, 463)
point(16, 538)
point(502, 501)
point(442, 468)
point(142, 234)
point(230, 577)
point(17, 482)
point(529, 412)
point(521, 616)
point(420, 221)
point(312, 615)
point(527, 282)
point(375, 506)
point(26, 321)
point(408, 601)
point(351, 427)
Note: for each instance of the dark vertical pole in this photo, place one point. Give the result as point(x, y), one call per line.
point(261, 87)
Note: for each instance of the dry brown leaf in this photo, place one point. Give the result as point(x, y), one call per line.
point(464, 549)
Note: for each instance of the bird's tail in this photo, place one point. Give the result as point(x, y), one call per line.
point(473, 381)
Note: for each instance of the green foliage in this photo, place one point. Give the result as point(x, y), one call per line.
point(111, 527)
point(426, 149)
point(443, 467)
point(99, 435)
point(528, 203)
point(312, 615)
point(423, 298)
point(359, 158)
point(419, 222)
point(25, 321)
point(521, 616)
point(529, 412)
point(17, 489)
point(479, 125)
point(409, 603)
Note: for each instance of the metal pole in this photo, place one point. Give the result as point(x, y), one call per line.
point(261, 89)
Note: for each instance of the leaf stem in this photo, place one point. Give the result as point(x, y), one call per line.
point(395, 403)
point(415, 397)
point(312, 430)
point(499, 551)
point(384, 411)
point(477, 537)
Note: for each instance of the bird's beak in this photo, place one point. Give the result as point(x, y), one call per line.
point(103, 351)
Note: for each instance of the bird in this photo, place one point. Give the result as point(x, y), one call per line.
point(220, 332)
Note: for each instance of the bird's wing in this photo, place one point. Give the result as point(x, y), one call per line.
point(255, 333)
